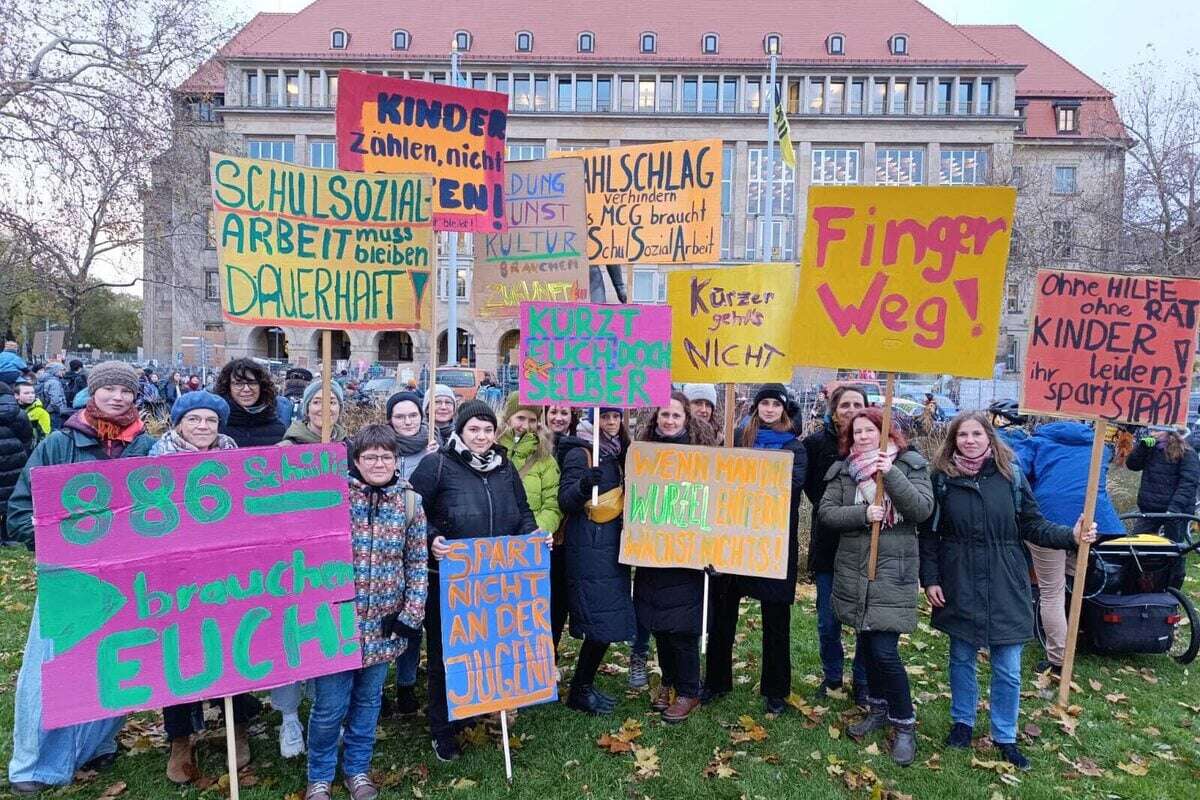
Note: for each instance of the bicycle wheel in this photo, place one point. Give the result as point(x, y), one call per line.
point(1186, 640)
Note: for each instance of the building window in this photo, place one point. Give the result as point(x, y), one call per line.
point(603, 94)
point(444, 279)
point(628, 94)
point(834, 165)
point(728, 164)
point(525, 152)
point(584, 96)
point(204, 110)
point(709, 90)
point(462, 41)
point(502, 88)
point(783, 206)
point(212, 285)
point(541, 93)
point(587, 42)
point(708, 44)
point(1064, 180)
point(648, 42)
point(649, 286)
point(835, 45)
point(966, 97)
point(291, 88)
point(898, 45)
point(322, 153)
point(1061, 239)
point(900, 97)
point(945, 96)
point(400, 40)
point(773, 44)
point(252, 98)
point(986, 93)
point(1012, 298)
point(899, 166)
point(273, 98)
point(645, 96)
point(272, 149)
point(964, 167)
point(1020, 109)
point(837, 97)
point(920, 96)
point(858, 91)
point(1016, 246)
point(522, 93)
point(1067, 116)
point(565, 100)
point(666, 94)
point(524, 42)
point(331, 97)
point(338, 40)
point(879, 97)
point(729, 95)
point(1012, 355)
point(815, 96)
point(754, 102)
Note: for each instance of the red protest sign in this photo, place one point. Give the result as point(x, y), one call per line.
point(1117, 347)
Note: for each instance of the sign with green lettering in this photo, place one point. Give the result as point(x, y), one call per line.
point(172, 579)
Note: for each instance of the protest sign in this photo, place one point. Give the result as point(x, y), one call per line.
point(540, 256)
point(184, 577)
point(905, 279)
point(733, 324)
point(1117, 347)
point(497, 644)
point(707, 506)
point(454, 134)
point(320, 248)
point(653, 203)
point(579, 354)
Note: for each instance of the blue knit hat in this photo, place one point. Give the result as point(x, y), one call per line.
point(314, 389)
point(191, 401)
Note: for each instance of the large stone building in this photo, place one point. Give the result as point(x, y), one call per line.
point(877, 92)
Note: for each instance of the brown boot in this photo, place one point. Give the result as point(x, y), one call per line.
point(662, 699)
point(241, 746)
point(680, 709)
point(180, 767)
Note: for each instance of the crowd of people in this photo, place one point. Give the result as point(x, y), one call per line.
point(960, 523)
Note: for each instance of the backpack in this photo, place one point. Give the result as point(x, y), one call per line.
point(941, 489)
point(72, 383)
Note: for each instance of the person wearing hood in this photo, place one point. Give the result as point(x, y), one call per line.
point(50, 392)
point(445, 403)
point(27, 400)
point(16, 442)
point(109, 427)
point(307, 428)
point(12, 366)
point(248, 389)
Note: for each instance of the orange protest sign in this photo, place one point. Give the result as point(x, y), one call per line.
point(906, 279)
point(1117, 347)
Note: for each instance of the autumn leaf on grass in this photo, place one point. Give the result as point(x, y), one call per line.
point(750, 731)
point(719, 766)
point(619, 741)
point(1137, 766)
point(460, 784)
point(476, 735)
point(645, 762)
point(1116, 697)
point(1031, 730)
point(999, 767)
point(934, 762)
point(835, 732)
point(1095, 684)
point(872, 749)
point(1088, 767)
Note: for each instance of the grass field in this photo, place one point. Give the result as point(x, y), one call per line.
point(1133, 733)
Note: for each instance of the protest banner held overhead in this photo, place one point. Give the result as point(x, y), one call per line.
point(904, 279)
point(497, 643)
point(541, 255)
point(321, 248)
point(707, 506)
point(1117, 347)
point(454, 134)
point(653, 203)
point(733, 324)
point(167, 580)
point(579, 354)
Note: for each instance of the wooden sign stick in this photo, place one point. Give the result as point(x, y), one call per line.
point(326, 381)
point(884, 440)
point(433, 359)
point(231, 741)
point(1081, 561)
point(507, 752)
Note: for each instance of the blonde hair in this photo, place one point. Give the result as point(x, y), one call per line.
point(545, 442)
point(1002, 455)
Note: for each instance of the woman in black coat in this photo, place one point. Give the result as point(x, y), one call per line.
point(601, 610)
point(769, 428)
point(669, 600)
point(16, 442)
point(468, 489)
point(247, 387)
point(1170, 477)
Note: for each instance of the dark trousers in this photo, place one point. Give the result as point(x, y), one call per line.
point(185, 719)
point(558, 593)
point(776, 677)
point(886, 678)
point(591, 656)
point(435, 709)
point(679, 657)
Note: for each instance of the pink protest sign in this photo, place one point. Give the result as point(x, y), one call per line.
point(184, 577)
point(580, 354)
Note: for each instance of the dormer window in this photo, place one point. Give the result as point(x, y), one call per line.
point(709, 43)
point(835, 45)
point(587, 42)
point(524, 42)
point(1066, 116)
point(338, 40)
point(462, 41)
point(898, 45)
point(773, 44)
point(648, 42)
point(400, 40)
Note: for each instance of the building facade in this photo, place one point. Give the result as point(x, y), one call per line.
point(884, 93)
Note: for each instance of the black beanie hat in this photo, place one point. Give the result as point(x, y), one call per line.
point(771, 390)
point(471, 409)
point(400, 397)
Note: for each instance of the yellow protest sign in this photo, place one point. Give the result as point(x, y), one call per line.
point(733, 324)
point(904, 278)
point(321, 248)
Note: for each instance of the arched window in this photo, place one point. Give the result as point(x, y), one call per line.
point(338, 39)
point(587, 42)
point(898, 45)
point(524, 42)
point(462, 41)
point(648, 42)
point(773, 44)
point(400, 40)
point(835, 45)
point(709, 44)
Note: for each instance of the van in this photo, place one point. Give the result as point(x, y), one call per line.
point(463, 380)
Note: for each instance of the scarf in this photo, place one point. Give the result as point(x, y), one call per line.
point(444, 431)
point(411, 445)
point(610, 446)
point(113, 433)
point(970, 466)
point(862, 467)
point(252, 417)
point(679, 438)
point(767, 439)
point(172, 442)
point(486, 462)
point(299, 433)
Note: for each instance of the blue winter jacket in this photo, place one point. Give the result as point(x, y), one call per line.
point(1055, 460)
point(11, 367)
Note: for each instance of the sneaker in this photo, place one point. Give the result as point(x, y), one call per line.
point(361, 787)
point(317, 790)
point(1048, 666)
point(406, 700)
point(960, 736)
point(291, 737)
point(446, 749)
point(774, 705)
point(1014, 756)
point(637, 672)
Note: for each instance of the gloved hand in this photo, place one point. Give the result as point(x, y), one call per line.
point(1149, 441)
point(391, 627)
point(591, 477)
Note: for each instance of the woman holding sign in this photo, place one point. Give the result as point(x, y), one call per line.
point(882, 609)
point(108, 427)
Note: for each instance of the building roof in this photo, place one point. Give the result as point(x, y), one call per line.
point(1046, 73)
point(210, 76)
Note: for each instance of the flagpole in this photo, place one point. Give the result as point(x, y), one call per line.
point(767, 239)
point(452, 291)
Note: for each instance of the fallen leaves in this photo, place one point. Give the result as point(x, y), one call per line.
point(999, 767)
point(645, 762)
point(1136, 766)
point(720, 766)
point(462, 784)
point(621, 740)
point(748, 731)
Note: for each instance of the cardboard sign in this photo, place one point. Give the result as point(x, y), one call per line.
point(699, 506)
point(1117, 347)
point(497, 644)
point(541, 255)
point(904, 279)
point(184, 577)
point(654, 203)
point(454, 134)
point(578, 354)
point(733, 324)
point(320, 248)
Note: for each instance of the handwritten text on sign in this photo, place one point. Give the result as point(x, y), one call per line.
point(1112, 346)
point(578, 354)
point(541, 255)
point(319, 248)
point(184, 577)
point(456, 135)
point(733, 324)
point(907, 279)
point(497, 644)
point(700, 506)
point(654, 203)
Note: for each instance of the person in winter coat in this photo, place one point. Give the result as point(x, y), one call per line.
point(389, 540)
point(976, 576)
point(469, 488)
point(307, 428)
point(12, 366)
point(170, 389)
point(769, 428)
point(1170, 477)
point(16, 442)
point(27, 400)
point(444, 405)
point(74, 381)
point(109, 427)
point(253, 418)
point(597, 585)
point(879, 610)
point(50, 391)
point(669, 601)
point(1055, 462)
point(295, 381)
point(823, 452)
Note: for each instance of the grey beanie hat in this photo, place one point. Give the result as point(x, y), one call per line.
point(314, 390)
point(112, 373)
point(700, 391)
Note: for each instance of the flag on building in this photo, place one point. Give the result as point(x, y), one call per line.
point(784, 134)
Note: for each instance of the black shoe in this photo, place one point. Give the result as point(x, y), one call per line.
point(960, 736)
point(101, 763)
point(27, 788)
point(774, 705)
point(825, 686)
point(446, 749)
point(1048, 666)
point(406, 701)
point(604, 699)
point(583, 698)
point(709, 694)
point(1014, 756)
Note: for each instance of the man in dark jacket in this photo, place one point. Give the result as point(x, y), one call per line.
point(16, 441)
point(75, 379)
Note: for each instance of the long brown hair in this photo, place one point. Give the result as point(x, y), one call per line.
point(698, 432)
point(1175, 447)
point(875, 415)
point(750, 433)
point(1002, 455)
point(545, 442)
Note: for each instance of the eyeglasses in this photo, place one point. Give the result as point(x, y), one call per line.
point(192, 419)
point(372, 460)
point(244, 384)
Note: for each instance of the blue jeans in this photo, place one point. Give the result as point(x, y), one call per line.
point(50, 756)
point(286, 699)
point(352, 697)
point(1005, 695)
point(829, 633)
point(406, 664)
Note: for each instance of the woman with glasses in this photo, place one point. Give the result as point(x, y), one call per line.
point(253, 417)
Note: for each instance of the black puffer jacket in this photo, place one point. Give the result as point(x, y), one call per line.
point(822, 450)
point(1167, 486)
point(783, 590)
point(16, 441)
point(597, 585)
point(253, 430)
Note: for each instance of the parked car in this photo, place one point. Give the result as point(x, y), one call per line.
point(463, 380)
point(380, 389)
point(946, 410)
